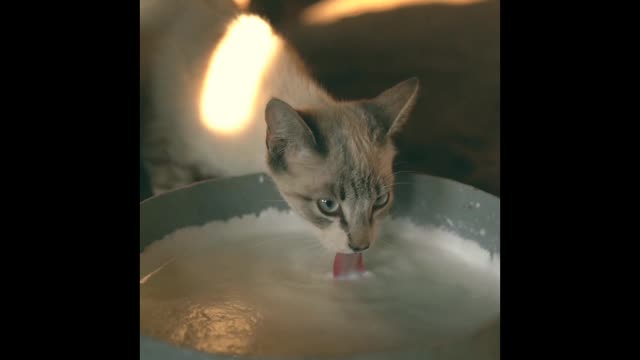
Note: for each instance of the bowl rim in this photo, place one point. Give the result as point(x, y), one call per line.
point(156, 349)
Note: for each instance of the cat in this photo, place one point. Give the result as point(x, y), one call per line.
point(331, 160)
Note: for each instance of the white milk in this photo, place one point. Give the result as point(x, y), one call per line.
point(262, 286)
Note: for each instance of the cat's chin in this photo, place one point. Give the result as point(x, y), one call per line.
point(335, 247)
point(333, 239)
point(339, 249)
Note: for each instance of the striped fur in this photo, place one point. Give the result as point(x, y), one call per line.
point(342, 152)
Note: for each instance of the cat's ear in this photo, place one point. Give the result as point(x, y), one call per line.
point(392, 107)
point(286, 127)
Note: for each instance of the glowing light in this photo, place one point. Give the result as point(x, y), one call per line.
point(242, 4)
point(328, 11)
point(225, 327)
point(235, 73)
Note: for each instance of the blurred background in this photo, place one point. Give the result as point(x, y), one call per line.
point(357, 48)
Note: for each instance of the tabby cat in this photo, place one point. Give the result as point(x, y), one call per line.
point(331, 160)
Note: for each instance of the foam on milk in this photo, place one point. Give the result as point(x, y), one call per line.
point(262, 286)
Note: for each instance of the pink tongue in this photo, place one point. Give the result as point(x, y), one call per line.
point(345, 264)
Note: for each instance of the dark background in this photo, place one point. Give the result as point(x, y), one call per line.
point(454, 131)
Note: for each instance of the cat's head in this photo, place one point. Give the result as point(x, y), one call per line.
point(333, 165)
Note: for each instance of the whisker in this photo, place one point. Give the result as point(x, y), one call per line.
point(385, 243)
point(311, 246)
point(406, 172)
point(389, 177)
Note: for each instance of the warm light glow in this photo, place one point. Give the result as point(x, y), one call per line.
point(328, 11)
point(235, 74)
point(225, 327)
point(242, 4)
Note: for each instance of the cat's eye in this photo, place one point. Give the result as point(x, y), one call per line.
point(328, 206)
point(381, 201)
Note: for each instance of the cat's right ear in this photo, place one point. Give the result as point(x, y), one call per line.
point(285, 127)
point(393, 106)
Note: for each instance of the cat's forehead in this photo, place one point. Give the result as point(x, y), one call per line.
point(346, 117)
point(351, 185)
point(353, 140)
point(348, 124)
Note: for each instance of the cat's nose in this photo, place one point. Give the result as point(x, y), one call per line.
point(358, 248)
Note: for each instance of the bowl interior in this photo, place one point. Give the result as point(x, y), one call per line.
point(425, 200)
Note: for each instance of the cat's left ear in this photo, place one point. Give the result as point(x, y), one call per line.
point(392, 107)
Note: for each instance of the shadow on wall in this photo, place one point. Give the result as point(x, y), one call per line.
point(454, 50)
